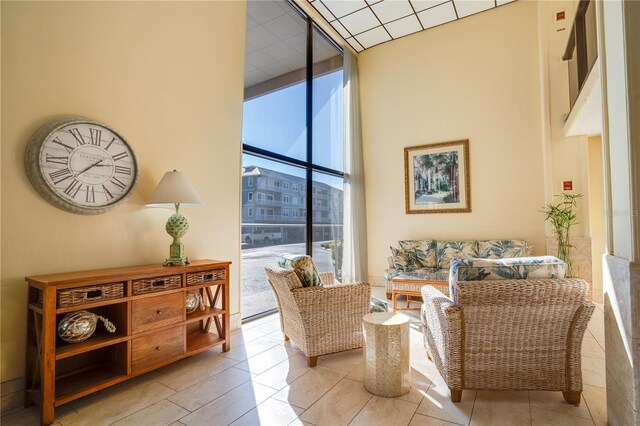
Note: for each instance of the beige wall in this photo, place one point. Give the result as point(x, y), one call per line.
point(474, 79)
point(168, 76)
point(596, 214)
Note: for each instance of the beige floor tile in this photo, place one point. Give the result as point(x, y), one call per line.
point(591, 348)
point(269, 327)
point(177, 423)
point(31, 416)
point(241, 337)
point(385, 412)
point(162, 412)
point(230, 406)
point(358, 372)
point(203, 392)
point(265, 360)
point(596, 400)
point(253, 348)
point(182, 374)
point(118, 407)
point(299, 422)
point(308, 388)
point(419, 386)
point(437, 403)
point(554, 401)
point(338, 406)
point(269, 413)
point(260, 322)
point(593, 372)
point(113, 391)
point(503, 408)
point(540, 417)
point(345, 361)
point(284, 373)
point(420, 420)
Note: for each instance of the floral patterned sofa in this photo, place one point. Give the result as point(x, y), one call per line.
point(429, 260)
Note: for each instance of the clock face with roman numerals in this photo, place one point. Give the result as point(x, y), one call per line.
point(81, 165)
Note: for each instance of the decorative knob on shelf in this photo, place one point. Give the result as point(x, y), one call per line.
point(157, 348)
point(159, 312)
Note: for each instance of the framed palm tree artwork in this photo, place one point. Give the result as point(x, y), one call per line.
point(437, 178)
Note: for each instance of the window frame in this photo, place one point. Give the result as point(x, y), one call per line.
point(308, 165)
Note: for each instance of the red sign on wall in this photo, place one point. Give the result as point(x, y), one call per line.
point(567, 185)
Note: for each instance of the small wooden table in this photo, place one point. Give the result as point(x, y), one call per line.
point(410, 287)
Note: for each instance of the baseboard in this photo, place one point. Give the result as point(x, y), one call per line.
point(11, 395)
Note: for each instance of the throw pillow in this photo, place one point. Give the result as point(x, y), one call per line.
point(304, 268)
point(425, 251)
point(404, 260)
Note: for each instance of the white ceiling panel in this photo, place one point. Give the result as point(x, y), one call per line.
point(354, 43)
point(471, 7)
point(263, 11)
point(372, 22)
point(341, 8)
point(420, 5)
point(360, 21)
point(437, 15)
point(388, 11)
point(372, 37)
point(323, 11)
point(404, 26)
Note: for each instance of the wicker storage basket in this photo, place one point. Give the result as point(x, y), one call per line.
point(195, 278)
point(149, 285)
point(90, 294)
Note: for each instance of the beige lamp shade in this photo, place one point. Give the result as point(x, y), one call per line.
point(174, 188)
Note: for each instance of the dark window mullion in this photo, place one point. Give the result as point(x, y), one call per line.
point(309, 137)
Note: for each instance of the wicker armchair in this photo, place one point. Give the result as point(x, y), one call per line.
point(508, 335)
point(323, 319)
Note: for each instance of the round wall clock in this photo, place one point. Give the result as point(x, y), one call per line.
point(81, 165)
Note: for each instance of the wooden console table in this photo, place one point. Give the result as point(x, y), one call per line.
point(153, 328)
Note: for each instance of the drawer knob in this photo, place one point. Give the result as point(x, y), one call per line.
point(157, 348)
point(159, 312)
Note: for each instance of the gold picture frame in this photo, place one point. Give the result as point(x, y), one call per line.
point(437, 178)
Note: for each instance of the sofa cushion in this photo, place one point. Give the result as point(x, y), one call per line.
point(405, 259)
point(450, 250)
point(501, 249)
point(425, 251)
point(304, 268)
point(427, 274)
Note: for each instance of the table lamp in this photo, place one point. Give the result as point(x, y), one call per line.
point(174, 190)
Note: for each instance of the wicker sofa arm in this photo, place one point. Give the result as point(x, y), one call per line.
point(579, 326)
point(442, 332)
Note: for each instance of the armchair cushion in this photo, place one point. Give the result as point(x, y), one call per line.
point(427, 274)
point(405, 259)
point(425, 251)
point(304, 268)
point(522, 268)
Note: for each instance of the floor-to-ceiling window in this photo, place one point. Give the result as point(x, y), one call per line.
point(292, 186)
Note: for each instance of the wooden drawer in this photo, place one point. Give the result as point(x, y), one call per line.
point(151, 285)
point(156, 348)
point(158, 311)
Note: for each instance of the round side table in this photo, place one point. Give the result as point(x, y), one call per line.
point(386, 347)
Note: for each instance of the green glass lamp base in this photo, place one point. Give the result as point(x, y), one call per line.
point(176, 255)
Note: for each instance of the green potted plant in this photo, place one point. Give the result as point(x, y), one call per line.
point(562, 218)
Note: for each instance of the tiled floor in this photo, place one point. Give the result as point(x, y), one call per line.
point(266, 381)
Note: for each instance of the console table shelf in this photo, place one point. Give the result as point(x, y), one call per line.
point(153, 328)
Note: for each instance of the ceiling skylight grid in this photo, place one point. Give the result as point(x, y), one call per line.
point(367, 23)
